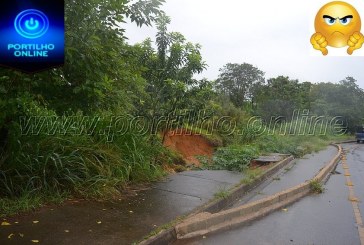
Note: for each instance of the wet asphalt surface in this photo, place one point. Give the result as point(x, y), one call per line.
point(121, 221)
point(303, 169)
point(326, 218)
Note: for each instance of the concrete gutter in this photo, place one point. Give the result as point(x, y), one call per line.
point(241, 190)
point(345, 142)
point(205, 222)
point(167, 236)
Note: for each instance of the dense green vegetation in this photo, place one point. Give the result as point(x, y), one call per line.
point(94, 126)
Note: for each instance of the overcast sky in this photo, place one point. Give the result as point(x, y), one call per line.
point(272, 35)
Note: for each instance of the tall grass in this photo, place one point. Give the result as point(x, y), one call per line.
point(250, 143)
point(85, 165)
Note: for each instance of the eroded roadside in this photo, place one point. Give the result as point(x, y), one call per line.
point(303, 169)
point(327, 218)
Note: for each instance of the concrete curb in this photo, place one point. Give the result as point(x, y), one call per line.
point(322, 175)
point(170, 235)
point(345, 142)
point(239, 191)
point(205, 223)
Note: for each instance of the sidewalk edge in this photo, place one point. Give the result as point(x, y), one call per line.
point(205, 223)
point(169, 235)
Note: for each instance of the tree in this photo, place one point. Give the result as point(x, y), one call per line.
point(344, 99)
point(281, 96)
point(239, 81)
point(99, 64)
point(169, 72)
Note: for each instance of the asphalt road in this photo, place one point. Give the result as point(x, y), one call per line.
point(121, 221)
point(327, 218)
point(303, 169)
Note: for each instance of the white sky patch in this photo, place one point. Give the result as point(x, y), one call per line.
point(272, 35)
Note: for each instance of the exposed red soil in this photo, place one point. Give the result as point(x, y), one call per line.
point(189, 145)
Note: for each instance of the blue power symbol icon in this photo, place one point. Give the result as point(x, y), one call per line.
point(31, 23)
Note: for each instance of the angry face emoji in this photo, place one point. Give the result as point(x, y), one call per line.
point(337, 25)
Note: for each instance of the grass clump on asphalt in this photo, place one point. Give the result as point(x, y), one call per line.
point(26, 202)
point(316, 187)
point(221, 194)
point(163, 227)
point(251, 175)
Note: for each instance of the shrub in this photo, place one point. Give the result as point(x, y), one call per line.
point(234, 158)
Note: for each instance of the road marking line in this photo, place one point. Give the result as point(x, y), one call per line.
point(354, 201)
